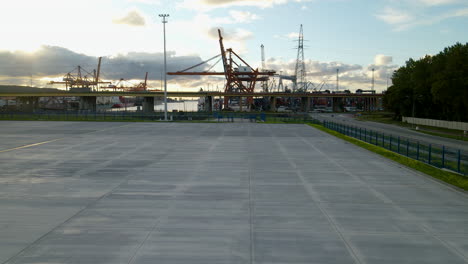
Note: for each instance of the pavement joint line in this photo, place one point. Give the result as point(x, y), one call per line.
point(87, 206)
point(31, 145)
point(426, 230)
point(234, 242)
point(382, 196)
point(251, 210)
point(447, 245)
point(353, 252)
point(410, 170)
point(144, 241)
point(180, 189)
point(50, 141)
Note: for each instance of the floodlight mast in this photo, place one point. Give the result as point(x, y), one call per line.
point(164, 21)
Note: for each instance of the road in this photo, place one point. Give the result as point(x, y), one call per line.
point(228, 193)
point(348, 119)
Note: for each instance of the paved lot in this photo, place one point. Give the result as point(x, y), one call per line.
point(215, 193)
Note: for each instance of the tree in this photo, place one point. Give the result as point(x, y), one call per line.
point(436, 86)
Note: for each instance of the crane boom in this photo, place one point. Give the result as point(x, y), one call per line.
point(98, 69)
point(223, 53)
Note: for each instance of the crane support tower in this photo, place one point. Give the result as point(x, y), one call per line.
point(240, 76)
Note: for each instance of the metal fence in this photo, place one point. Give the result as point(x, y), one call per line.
point(435, 155)
point(156, 116)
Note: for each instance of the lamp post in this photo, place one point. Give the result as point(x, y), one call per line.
point(164, 21)
point(419, 96)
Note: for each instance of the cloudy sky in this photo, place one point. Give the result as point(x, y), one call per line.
point(48, 38)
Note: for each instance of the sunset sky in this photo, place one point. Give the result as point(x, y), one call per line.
point(48, 38)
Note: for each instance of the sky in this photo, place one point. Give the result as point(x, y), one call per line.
point(43, 40)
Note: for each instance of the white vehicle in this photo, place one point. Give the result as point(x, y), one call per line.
point(283, 109)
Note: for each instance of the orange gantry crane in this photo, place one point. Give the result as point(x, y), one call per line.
point(120, 85)
point(240, 76)
point(80, 78)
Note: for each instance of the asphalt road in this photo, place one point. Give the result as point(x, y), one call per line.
point(215, 193)
point(348, 119)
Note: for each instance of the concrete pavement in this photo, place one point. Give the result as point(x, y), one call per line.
point(215, 193)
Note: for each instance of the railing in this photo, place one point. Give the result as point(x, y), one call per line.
point(156, 116)
point(432, 154)
point(261, 117)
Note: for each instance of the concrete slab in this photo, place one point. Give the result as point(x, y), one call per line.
point(389, 249)
point(215, 193)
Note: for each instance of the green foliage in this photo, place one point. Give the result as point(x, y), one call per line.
point(433, 87)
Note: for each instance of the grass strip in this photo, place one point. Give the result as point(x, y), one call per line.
point(446, 176)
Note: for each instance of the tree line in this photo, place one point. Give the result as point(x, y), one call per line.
point(433, 87)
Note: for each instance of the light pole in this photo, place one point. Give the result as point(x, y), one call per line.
point(164, 21)
point(337, 80)
point(414, 105)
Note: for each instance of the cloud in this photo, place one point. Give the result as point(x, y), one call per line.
point(232, 38)
point(148, 2)
point(381, 59)
point(235, 17)
point(292, 35)
point(53, 62)
point(438, 2)
point(314, 68)
point(393, 16)
point(243, 16)
point(351, 76)
point(229, 34)
point(206, 5)
point(133, 18)
point(410, 14)
point(213, 4)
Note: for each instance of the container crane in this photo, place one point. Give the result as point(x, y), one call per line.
point(127, 86)
point(82, 79)
point(240, 79)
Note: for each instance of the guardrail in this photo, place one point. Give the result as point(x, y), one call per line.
point(436, 123)
point(436, 155)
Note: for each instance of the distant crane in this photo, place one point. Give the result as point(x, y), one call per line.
point(80, 78)
point(291, 78)
point(127, 86)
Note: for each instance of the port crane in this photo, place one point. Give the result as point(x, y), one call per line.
point(121, 85)
point(81, 78)
point(240, 76)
